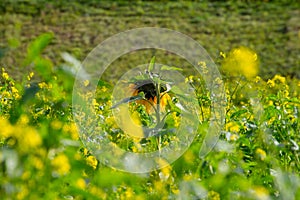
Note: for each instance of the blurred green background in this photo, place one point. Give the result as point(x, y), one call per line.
point(271, 28)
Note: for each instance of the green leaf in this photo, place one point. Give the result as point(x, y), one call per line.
point(173, 107)
point(177, 91)
point(36, 47)
point(129, 99)
point(168, 68)
point(151, 64)
point(235, 115)
point(43, 67)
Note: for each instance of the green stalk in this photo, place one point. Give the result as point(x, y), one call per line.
point(157, 86)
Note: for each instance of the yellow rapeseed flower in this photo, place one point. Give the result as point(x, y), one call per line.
point(188, 177)
point(189, 79)
point(175, 191)
point(29, 138)
point(5, 75)
point(23, 192)
point(257, 79)
point(104, 89)
point(222, 54)
point(279, 78)
point(30, 75)
point(85, 151)
point(86, 83)
point(271, 83)
point(56, 124)
point(44, 85)
point(71, 129)
point(74, 132)
point(61, 164)
point(261, 192)
point(261, 153)
point(234, 137)
point(212, 195)
point(92, 161)
point(286, 93)
point(97, 192)
point(15, 92)
point(6, 94)
point(165, 167)
point(23, 120)
point(26, 175)
point(80, 183)
point(8, 129)
point(128, 194)
point(176, 119)
point(232, 127)
point(37, 162)
point(243, 61)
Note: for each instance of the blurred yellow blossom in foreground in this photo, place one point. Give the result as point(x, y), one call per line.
point(61, 164)
point(92, 161)
point(241, 61)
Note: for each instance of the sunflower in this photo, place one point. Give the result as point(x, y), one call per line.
point(148, 88)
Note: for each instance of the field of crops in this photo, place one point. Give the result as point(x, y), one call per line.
point(162, 131)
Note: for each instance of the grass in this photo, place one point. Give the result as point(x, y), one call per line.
point(269, 28)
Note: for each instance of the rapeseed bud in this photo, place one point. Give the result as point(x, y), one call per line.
point(203, 67)
point(5, 75)
point(86, 83)
point(29, 77)
point(176, 119)
point(189, 79)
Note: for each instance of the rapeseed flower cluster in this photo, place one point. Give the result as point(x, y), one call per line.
point(22, 136)
point(241, 61)
point(60, 164)
point(42, 150)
